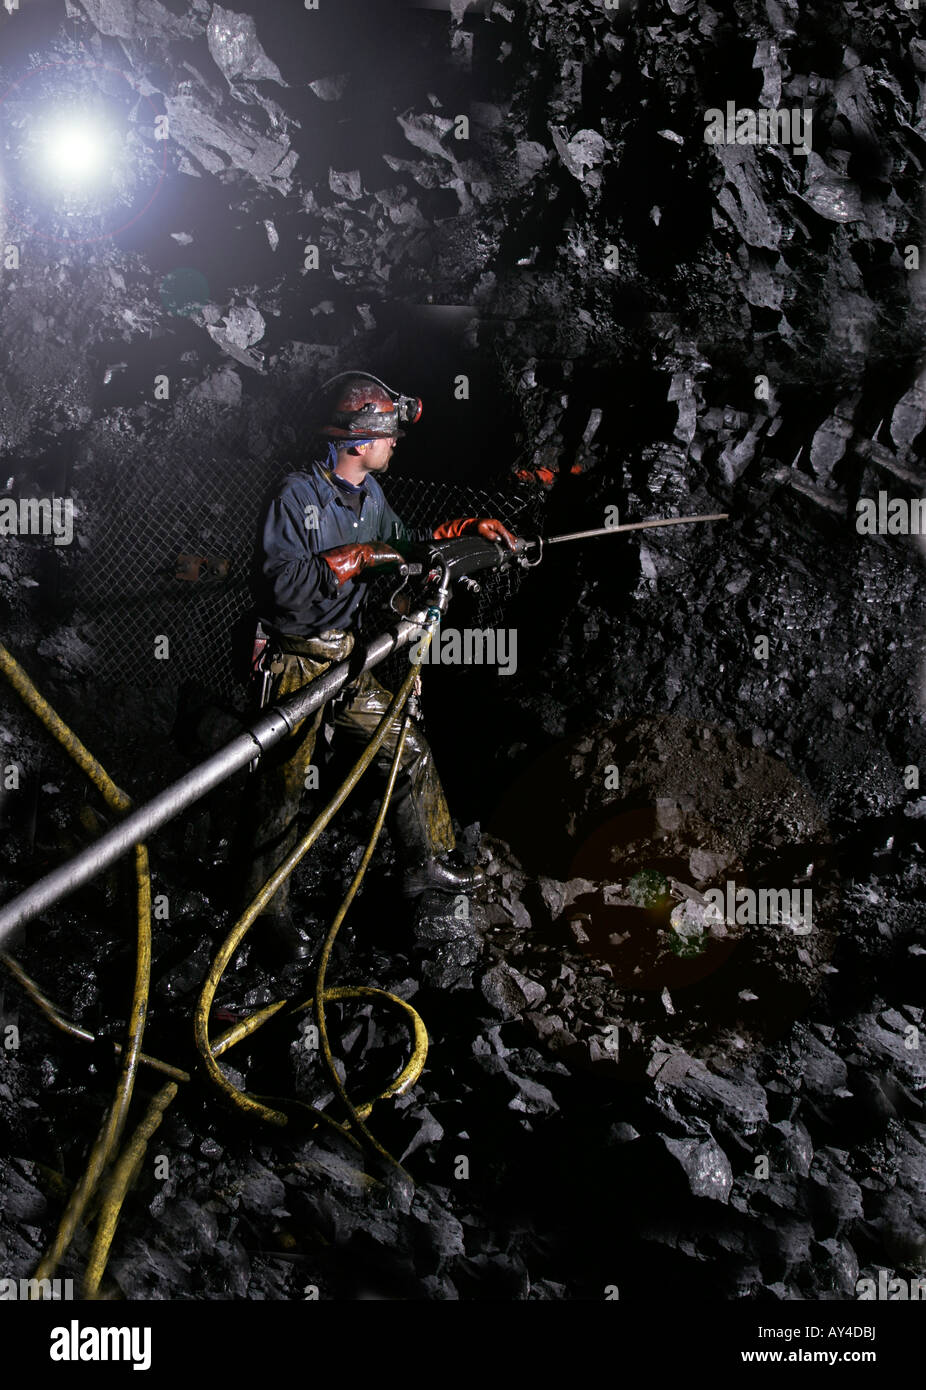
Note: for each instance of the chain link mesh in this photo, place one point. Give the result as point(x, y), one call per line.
point(141, 520)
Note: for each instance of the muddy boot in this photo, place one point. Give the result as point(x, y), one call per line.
point(279, 939)
point(434, 875)
point(412, 821)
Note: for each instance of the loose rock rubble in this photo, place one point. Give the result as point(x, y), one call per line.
point(648, 322)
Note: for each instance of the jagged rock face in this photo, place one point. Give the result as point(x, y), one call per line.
point(648, 320)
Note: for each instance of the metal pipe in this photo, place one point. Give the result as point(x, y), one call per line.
point(268, 729)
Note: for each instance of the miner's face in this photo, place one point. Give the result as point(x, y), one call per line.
point(376, 456)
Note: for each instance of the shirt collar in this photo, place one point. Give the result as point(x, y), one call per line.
point(328, 485)
point(347, 487)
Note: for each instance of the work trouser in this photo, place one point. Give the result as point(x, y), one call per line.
point(419, 818)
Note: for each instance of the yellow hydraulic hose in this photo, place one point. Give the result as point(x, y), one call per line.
point(132, 1157)
point(129, 1162)
point(44, 1003)
point(111, 1131)
point(56, 726)
point(241, 1099)
point(55, 1017)
point(416, 1061)
point(124, 1171)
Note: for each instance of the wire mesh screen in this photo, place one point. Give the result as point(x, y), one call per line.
point(170, 552)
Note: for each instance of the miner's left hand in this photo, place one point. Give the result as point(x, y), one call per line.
point(485, 526)
point(492, 530)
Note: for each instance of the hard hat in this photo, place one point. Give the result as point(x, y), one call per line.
point(356, 405)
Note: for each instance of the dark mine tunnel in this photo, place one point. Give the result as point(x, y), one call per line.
point(606, 984)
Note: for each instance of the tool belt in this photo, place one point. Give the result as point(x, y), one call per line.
point(270, 647)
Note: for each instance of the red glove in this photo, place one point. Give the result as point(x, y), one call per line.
point(347, 561)
point(487, 527)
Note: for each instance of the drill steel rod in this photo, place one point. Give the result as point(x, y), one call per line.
point(262, 733)
point(635, 526)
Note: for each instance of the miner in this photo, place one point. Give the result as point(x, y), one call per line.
point(324, 530)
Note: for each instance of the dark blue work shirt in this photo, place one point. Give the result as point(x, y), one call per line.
point(296, 591)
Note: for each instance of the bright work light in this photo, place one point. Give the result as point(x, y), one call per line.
point(75, 150)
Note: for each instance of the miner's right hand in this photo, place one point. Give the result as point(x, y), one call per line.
point(347, 561)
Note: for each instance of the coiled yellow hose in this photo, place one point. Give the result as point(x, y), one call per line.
point(129, 1162)
point(241, 1099)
